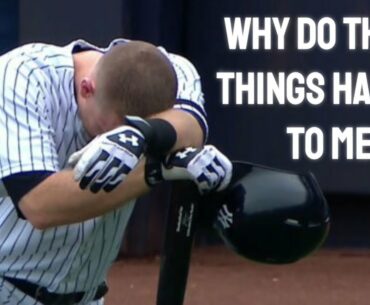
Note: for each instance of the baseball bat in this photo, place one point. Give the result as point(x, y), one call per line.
point(181, 223)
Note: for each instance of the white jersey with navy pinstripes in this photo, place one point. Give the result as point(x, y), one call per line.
point(39, 129)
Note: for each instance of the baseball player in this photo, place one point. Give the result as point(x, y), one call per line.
point(61, 227)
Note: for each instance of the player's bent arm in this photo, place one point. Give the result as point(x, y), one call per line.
point(58, 200)
point(105, 162)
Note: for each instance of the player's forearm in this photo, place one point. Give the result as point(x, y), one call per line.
point(58, 200)
point(189, 132)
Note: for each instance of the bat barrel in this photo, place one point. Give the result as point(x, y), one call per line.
point(176, 253)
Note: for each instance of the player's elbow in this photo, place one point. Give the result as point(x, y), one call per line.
point(32, 213)
point(40, 224)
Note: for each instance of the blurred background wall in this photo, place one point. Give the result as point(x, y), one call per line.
point(9, 26)
point(60, 22)
point(195, 29)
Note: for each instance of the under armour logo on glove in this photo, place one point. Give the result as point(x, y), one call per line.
point(124, 139)
point(106, 161)
point(182, 154)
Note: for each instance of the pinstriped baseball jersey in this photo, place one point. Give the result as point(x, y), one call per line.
point(40, 128)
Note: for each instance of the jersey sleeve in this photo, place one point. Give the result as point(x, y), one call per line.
point(27, 138)
point(189, 93)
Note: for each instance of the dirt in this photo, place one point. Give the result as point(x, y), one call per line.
point(218, 277)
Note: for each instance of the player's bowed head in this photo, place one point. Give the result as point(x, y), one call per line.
point(134, 78)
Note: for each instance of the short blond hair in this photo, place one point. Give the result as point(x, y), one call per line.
point(136, 78)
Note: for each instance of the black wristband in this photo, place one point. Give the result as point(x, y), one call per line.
point(160, 136)
point(163, 138)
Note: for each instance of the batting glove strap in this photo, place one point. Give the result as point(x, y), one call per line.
point(140, 124)
point(153, 171)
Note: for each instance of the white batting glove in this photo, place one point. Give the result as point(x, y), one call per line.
point(207, 167)
point(106, 161)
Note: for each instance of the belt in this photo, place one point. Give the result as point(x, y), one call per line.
point(42, 295)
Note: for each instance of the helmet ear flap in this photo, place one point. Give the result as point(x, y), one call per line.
point(269, 215)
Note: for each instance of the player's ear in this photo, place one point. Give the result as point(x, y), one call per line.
point(87, 87)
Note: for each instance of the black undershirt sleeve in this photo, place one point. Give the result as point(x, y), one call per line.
point(18, 185)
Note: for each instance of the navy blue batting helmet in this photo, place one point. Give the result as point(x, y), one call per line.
point(269, 215)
